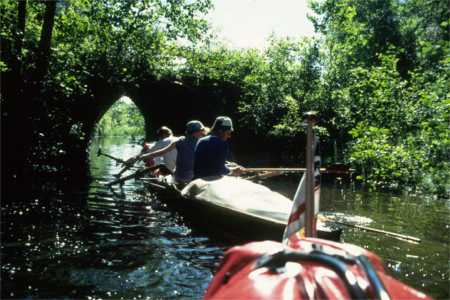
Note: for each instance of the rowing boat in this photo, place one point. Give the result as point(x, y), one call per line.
point(238, 207)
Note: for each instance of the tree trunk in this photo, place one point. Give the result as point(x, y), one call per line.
point(17, 132)
point(21, 18)
point(45, 41)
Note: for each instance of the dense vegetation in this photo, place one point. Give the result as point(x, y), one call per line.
point(122, 119)
point(377, 73)
point(54, 52)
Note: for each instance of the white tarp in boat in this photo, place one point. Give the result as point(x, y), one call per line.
point(240, 194)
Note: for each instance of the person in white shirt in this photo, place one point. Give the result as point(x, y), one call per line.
point(165, 138)
point(185, 145)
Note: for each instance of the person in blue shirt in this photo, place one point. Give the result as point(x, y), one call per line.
point(185, 146)
point(212, 152)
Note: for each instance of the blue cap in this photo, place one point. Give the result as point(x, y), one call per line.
point(223, 123)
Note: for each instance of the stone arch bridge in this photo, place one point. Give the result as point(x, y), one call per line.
point(162, 102)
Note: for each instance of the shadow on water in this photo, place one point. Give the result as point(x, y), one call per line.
point(126, 243)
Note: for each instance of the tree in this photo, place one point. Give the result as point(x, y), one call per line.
point(43, 53)
point(67, 46)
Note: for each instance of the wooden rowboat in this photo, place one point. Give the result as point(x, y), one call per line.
point(233, 206)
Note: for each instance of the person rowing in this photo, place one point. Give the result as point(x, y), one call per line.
point(185, 146)
point(162, 165)
point(167, 162)
point(212, 152)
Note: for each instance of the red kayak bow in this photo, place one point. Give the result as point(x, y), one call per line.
point(310, 269)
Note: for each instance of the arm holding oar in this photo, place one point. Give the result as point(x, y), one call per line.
point(141, 156)
point(117, 160)
point(235, 169)
point(165, 138)
point(150, 155)
point(131, 161)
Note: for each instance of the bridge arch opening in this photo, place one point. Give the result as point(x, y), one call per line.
point(118, 133)
point(123, 118)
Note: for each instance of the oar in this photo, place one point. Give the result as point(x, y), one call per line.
point(134, 175)
point(370, 229)
point(389, 233)
point(123, 170)
point(298, 170)
point(100, 152)
point(264, 175)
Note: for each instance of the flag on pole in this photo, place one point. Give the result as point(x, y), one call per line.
point(295, 228)
point(316, 183)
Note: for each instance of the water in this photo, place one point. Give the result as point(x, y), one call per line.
point(93, 242)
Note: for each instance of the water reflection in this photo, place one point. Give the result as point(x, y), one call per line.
point(125, 243)
point(117, 244)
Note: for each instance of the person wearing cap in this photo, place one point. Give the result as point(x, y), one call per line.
point(185, 146)
point(212, 152)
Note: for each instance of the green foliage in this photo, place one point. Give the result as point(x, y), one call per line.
point(376, 95)
point(115, 42)
point(382, 162)
point(280, 87)
point(378, 76)
point(377, 73)
point(3, 67)
point(125, 41)
point(122, 119)
point(390, 93)
point(288, 69)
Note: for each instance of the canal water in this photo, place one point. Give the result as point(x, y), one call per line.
point(125, 243)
